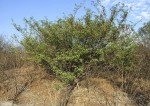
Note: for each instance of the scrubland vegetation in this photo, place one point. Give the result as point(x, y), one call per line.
point(96, 45)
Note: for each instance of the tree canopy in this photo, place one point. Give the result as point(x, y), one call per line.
point(144, 32)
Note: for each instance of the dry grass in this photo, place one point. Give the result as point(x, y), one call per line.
point(137, 88)
point(9, 61)
point(98, 92)
point(36, 85)
point(41, 90)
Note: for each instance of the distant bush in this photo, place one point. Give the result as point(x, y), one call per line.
point(144, 33)
point(4, 46)
point(71, 46)
point(143, 51)
point(9, 58)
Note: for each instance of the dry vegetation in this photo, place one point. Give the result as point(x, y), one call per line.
point(26, 83)
point(31, 86)
point(137, 82)
point(95, 63)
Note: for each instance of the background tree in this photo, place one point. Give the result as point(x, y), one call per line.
point(144, 33)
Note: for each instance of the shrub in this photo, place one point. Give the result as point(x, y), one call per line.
point(70, 45)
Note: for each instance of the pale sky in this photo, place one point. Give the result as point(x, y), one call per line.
point(54, 9)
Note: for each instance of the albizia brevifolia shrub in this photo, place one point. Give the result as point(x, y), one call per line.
point(70, 44)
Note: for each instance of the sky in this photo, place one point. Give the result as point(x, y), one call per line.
point(17, 10)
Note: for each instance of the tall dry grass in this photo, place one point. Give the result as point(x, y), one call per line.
point(10, 57)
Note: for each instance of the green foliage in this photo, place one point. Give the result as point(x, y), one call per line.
point(59, 86)
point(69, 45)
point(144, 32)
